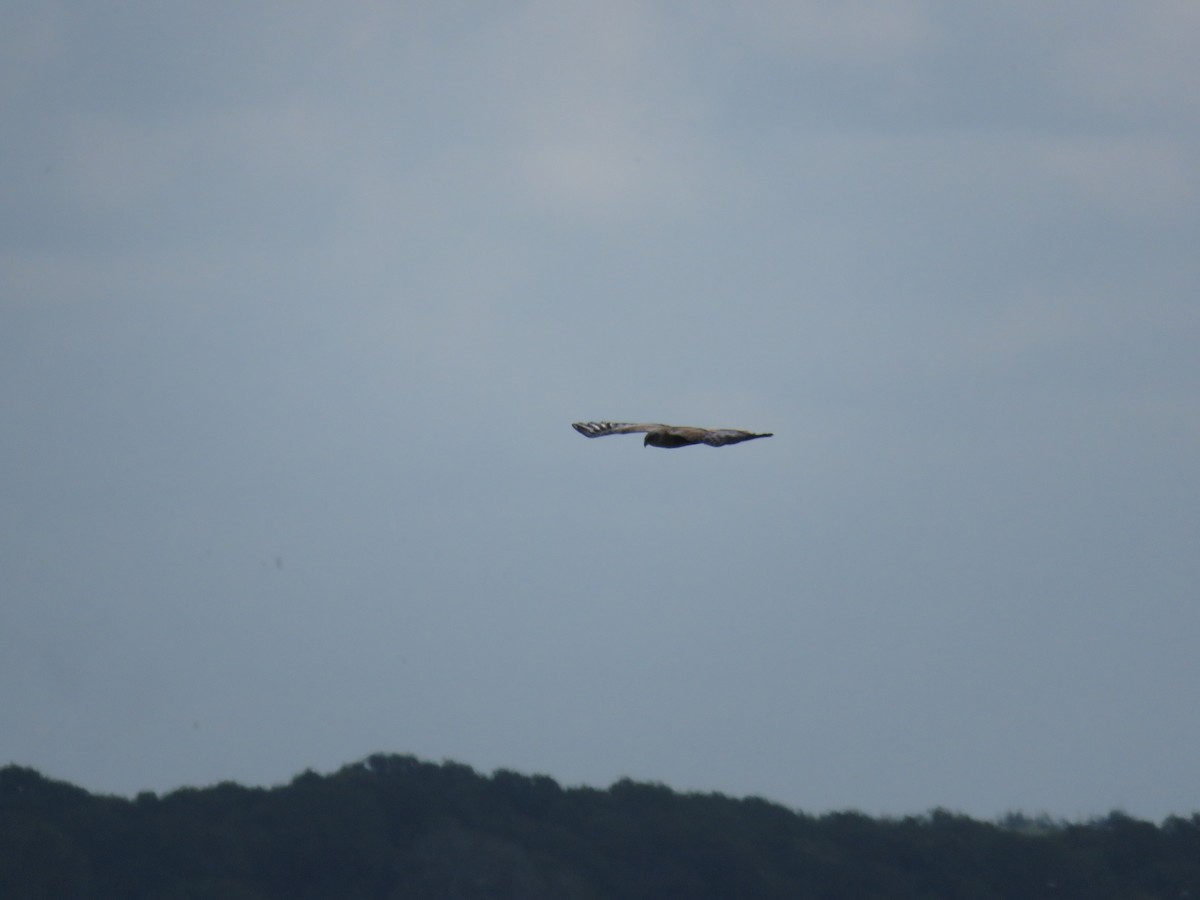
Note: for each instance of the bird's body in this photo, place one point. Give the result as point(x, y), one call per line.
point(668, 436)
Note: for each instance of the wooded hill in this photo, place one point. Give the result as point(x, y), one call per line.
point(396, 827)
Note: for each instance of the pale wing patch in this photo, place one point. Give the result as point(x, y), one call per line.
point(598, 429)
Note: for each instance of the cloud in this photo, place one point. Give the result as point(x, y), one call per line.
point(1135, 62)
point(1140, 176)
point(863, 33)
point(600, 117)
point(330, 283)
point(30, 43)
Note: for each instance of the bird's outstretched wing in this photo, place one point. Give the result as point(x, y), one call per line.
point(719, 437)
point(599, 429)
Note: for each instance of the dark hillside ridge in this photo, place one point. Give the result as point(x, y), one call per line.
point(396, 827)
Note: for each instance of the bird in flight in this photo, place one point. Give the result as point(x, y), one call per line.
point(668, 435)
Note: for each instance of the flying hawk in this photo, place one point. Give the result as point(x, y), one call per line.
point(668, 435)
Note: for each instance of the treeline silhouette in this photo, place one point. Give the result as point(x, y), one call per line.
point(396, 827)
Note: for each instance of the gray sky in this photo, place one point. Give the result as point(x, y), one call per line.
point(298, 302)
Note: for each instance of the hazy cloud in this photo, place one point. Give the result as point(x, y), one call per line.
point(298, 304)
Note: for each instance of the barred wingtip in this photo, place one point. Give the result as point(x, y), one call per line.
point(598, 429)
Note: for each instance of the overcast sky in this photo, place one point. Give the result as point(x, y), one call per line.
point(298, 301)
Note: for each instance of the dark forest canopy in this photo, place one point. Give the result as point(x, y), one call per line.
point(397, 827)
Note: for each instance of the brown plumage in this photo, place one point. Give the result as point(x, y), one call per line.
point(668, 435)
